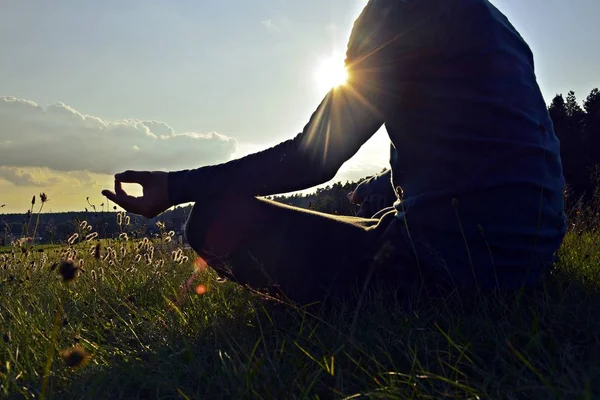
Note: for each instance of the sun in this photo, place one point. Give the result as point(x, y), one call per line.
point(331, 73)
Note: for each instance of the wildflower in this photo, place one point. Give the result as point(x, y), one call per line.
point(119, 219)
point(68, 270)
point(176, 255)
point(123, 236)
point(83, 224)
point(171, 233)
point(454, 203)
point(43, 197)
point(127, 220)
point(75, 356)
point(81, 263)
point(138, 258)
point(73, 238)
point(123, 251)
point(93, 274)
point(168, 239)
point(33, 200)
point(91, 236)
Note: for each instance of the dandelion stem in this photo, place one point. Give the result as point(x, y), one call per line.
point(47, 368)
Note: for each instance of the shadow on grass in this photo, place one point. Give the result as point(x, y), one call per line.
point(541, 344)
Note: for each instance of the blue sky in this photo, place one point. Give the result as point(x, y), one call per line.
point(242, 69)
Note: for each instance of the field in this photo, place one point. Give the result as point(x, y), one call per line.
point(140, 319)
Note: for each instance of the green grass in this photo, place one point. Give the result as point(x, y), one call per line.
point(150, 338)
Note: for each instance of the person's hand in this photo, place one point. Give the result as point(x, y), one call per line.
point(155, 198)
point(353, 198)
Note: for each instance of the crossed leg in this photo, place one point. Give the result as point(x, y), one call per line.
point(305, 255)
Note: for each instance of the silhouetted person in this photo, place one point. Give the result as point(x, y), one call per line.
point(475, 163)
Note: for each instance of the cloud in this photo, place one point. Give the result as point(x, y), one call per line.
point(270, 25)
point(63, 139)
point(21, 177)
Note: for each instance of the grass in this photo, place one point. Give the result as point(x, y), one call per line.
point(148, 334)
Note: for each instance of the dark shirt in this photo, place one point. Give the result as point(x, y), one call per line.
point(474, 156)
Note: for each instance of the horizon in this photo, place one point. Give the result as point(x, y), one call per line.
point(93, 89)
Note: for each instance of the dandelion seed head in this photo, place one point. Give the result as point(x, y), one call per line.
point(68, 270)
point(75, 356)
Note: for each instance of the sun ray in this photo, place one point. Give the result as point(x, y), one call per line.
point(331, 73)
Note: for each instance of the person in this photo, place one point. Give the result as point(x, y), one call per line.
point(374, 195)
point(475, 165)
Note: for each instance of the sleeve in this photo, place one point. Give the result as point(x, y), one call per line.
point(346, 118)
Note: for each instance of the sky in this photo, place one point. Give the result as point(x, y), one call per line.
point(90, 88)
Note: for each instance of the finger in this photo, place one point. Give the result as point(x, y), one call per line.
point(126, 202)
point(119, 189)
point(133, 176)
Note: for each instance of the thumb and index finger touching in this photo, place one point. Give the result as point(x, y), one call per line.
point(119, 196)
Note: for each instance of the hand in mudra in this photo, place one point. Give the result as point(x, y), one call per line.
point(155, 198)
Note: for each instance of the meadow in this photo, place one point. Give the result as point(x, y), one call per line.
point(127, 318)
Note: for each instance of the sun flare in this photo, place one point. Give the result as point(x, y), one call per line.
point(331, 73)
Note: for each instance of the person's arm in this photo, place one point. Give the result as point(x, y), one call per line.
point(342, 123)
point(345, 119)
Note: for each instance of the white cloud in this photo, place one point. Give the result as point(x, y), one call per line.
point(63, 139)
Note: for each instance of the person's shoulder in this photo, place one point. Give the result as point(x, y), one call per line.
point(371, 26)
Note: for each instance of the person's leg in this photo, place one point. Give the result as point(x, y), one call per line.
point(263, 244)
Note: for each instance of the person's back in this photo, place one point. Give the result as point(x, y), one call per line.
point(476, 157)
